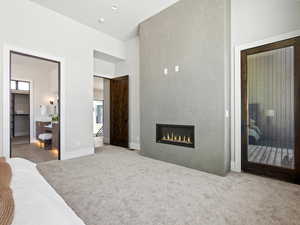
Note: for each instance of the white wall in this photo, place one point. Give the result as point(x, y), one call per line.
point(131, 67)
point(104, 68)
point(27, 25)
point(53, 83)
point(255, 20)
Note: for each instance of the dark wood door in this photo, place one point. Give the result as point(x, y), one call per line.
point(119, 111)
point(270, 91)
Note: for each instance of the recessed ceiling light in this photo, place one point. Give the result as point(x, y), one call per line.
point(101, 20)
point(114, 7)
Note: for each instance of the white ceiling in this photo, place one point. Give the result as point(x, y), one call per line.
point(121, 24)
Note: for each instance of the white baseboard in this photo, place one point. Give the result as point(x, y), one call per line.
point(135, 146)
point(234, 168)
point(77, 153)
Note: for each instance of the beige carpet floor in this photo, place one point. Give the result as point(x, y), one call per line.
point(120, 187)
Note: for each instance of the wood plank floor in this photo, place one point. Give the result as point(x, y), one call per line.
point(21, 140)
point(281, 157)
point(33, 153)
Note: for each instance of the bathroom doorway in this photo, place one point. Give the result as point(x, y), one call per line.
point(34, 107)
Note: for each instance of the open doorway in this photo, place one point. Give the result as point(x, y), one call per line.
point(98, 112)
point(111, 111)
point(34, 108)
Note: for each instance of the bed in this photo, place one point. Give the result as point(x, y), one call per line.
point(254, 131)
point(255, 134)
point(36, 202)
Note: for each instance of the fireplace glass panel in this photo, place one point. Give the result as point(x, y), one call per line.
point(180, 135)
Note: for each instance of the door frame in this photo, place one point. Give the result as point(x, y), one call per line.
point(235, 95)
point(7, 51)
point(287, 174)
point(109, 122)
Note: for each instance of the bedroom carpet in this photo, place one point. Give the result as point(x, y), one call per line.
point(120, 187)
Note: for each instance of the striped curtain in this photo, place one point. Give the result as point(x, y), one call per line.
point(271, 96)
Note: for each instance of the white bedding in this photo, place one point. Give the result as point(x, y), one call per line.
point(36, 202)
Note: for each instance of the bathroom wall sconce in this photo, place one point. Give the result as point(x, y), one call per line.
point(51, 100)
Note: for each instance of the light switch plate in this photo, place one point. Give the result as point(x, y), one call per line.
point(227, 113)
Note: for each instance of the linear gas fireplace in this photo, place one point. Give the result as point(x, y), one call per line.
point(176, 135)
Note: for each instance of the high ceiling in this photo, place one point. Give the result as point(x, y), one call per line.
point(121, 23)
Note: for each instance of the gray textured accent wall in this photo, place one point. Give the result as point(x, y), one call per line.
point(193, 34)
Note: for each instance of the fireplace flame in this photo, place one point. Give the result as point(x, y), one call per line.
point(179, 139)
